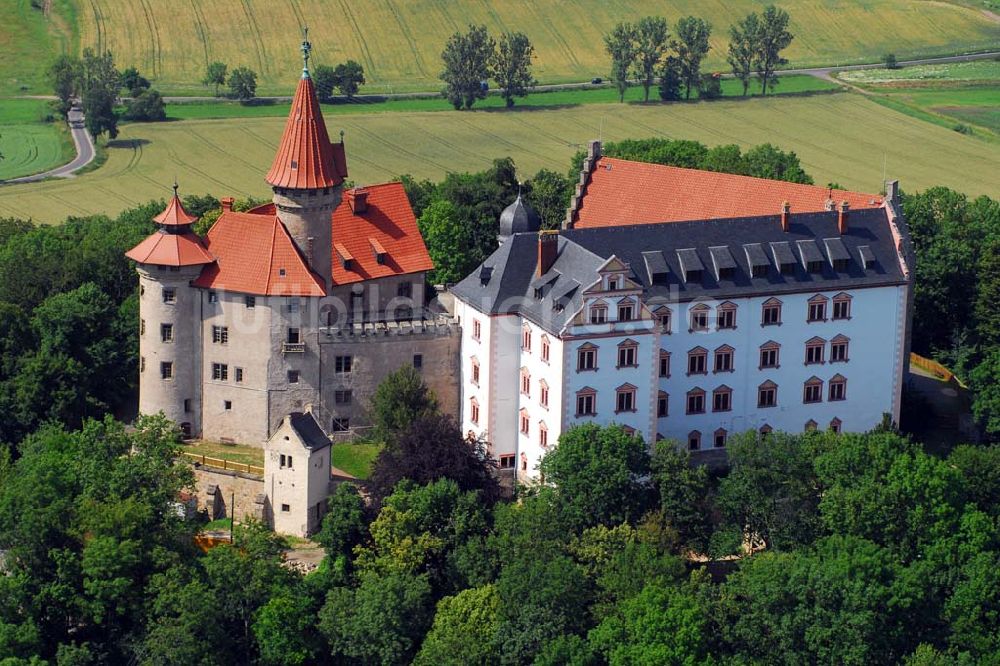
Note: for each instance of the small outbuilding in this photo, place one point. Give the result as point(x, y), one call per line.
point(297, 474)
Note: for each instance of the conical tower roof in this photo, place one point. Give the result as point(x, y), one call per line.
point(305, 156)
point(174, 214)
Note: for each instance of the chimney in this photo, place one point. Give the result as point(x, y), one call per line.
point(227, 204)
point(786, 210)
point(892, 191)
point(594, 150)
point(548, 245)
point(842, 218)
point(358, 199)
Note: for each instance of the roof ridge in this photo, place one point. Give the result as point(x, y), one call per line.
point(270, 253)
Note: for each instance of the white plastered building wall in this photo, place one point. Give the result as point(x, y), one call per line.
point(296, 480)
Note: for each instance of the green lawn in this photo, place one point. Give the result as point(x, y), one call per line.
point(559, 98)
point(355, 458)
point(248, 455)
point(29, 40)
point(28, 142)
point(840, 137)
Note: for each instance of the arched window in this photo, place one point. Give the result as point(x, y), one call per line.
point(694, 440)
point(720, 438)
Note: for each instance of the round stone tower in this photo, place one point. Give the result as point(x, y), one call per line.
point(170, 318)
point(307, 176)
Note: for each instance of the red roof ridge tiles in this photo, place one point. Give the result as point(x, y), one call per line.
point(163, 248)
point(174, 214)
point(305, 158)
point(623, 192)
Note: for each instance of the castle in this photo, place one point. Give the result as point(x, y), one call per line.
point(686, 305)
point(302, 304)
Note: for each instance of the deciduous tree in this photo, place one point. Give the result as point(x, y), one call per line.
point(66, 75)
point(620, 44)
point(243, 84)
point(464, 630)
point(349, 77)
point(651, 42)
point(772, 38)
point(325, 79)
point(99, 90)
point(215, 75)
point(512, 66)
point(467, 59)
point(743, 40)
point(691, 45)
point(400, 399)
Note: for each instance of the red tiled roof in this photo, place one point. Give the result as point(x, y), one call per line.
point(388, 223)
point(168, 249)
point(622, 192)
point(255, 255)
point(174, 214)
point(306, 159)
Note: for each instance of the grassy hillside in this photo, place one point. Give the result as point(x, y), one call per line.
point(28, 142)
point(840, 137)
point(399, 41)
point(30, 39)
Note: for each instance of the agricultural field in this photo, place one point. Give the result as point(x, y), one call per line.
point(962, 96)
point(28, 142)
point(30, 39)
point(840, 137)
point(399, 41)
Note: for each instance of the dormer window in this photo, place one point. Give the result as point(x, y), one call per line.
point(625, 311)
point(598, 314)
point(613, 283)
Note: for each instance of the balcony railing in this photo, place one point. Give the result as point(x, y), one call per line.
point(293, 347)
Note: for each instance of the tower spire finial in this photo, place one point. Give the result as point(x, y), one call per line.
point(306, 49)
point(175, 186)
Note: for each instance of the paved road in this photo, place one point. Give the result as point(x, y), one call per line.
point(84, 152)
point(826, 72)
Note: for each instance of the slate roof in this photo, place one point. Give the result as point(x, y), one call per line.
point(658, 255)
point(519, 217)
point(308, 430)
point(623, 192)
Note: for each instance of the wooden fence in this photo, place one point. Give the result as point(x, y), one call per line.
point(934, 368)
point(220, 463)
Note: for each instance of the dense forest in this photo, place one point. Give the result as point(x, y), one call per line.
point(814, 548)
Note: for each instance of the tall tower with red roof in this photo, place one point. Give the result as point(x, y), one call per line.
point(168, 261)
point(307, 176)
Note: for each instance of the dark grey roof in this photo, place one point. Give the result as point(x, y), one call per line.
point(835, 249)
point(689, 246)
point(308, 430)
point(519, 218)
point(722, 259)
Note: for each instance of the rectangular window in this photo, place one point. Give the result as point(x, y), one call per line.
point(817, 311)
point(285, 508)
point(664, 364)
point(813, 393)
point(477, 329)
point(696, 403)
point(342, 397)
point(342, 364)
point(838, 352)
point(838, 390)
point(341, 425)
point(187, 405)
point(543, 437)
point(220, 335)
point(598, 314)
point(250, 301)
point(292, 306)
point(475, 373)
point(727, 318)
point(418, 361)
point(767, 396)
point(814, 353)
point(842, 309)
point(213, 297)
point(697, 363)
point(662, 406)
point(771, 315)
point(625, 401)
point(769, 357)
point(142, 327)
point(544, 398)
point(227, 405)
point(545, 350)
point(142, 364)
point(525, 383)
point(627, 357)
point(294, 336)
point(507, 461)
point(526, 340)
point(474, 413)
point(282, 460)
point(238, 375)
point(585, 405)
point(169, 295)
point(694, 441)
point(625, 313)
point(220, 372)
point(166, 370)
point(586, 359)
point(724, 360)
point(664, 320)
point(404, 290)
point(699, 320)
point(722, 401)
point(293, 376)
point(167, 332)
point(525, 424)
point(720, 439)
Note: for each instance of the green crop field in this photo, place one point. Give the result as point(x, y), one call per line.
point(840, 137)
point(29, 40)
point(399, 41)
point(27, 143)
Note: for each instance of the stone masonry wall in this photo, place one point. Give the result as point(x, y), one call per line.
point(234, 490)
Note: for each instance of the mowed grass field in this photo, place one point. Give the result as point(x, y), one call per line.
point(28, 144)
point(399, 41)
point(840, 137)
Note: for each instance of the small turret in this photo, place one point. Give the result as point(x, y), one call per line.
point(518, 218)
point(167, 261)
